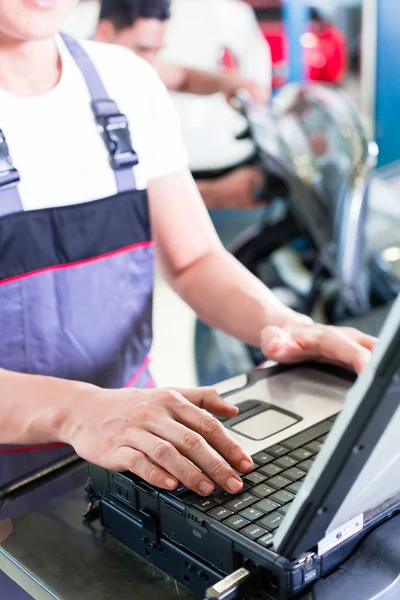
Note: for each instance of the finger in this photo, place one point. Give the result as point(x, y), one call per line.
point(163, 450)
point(331, 344)
point(313, 343)
point(368, 341)
point(194, 447)
point(128, 459)
point(208, 399)
point(215, 435)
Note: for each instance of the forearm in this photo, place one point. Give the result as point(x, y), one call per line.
point(227, 296)
point(203, 83)
point(36, 409)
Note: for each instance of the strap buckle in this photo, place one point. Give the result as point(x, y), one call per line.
point(8, 174)
point(115, 131)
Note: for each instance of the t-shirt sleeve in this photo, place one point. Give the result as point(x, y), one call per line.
point(165, 149)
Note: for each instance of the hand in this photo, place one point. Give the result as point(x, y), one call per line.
point(155, 433)
point(233, 84)
point(238, 188)
point(296, 343)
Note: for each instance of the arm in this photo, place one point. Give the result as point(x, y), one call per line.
point(225, 295)
point(205, 83)
point(120, 429)
point(221, 291)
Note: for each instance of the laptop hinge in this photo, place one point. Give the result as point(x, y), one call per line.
point(341, 534)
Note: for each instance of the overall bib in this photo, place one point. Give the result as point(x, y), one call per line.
point(76, 284)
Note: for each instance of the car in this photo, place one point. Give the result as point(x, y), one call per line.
point(325, 46)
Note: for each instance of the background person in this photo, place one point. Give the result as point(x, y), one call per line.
point(199, 36)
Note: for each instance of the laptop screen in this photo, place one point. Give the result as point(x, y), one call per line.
point(358, 467)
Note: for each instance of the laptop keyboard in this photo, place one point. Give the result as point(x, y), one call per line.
point(269, 490)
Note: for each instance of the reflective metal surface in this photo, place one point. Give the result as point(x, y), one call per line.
point(52, 554)
point(321, 131)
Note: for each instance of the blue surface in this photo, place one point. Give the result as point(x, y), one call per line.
point(388, 82)
point(296, 14)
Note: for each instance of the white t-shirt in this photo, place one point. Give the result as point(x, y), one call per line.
point(56, 146)
point(198, 33)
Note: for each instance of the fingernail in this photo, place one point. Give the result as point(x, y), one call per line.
point(234, 485)
point(246, 465)
point(171, 483)
point(206, 488)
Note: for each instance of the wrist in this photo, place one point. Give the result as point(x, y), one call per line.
point(75, 399)
point(296, 319)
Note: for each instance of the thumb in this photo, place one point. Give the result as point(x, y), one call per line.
point(275, 342)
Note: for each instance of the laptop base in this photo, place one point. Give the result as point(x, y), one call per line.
point(199, 556)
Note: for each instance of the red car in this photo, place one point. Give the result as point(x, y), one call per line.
point(325, 47)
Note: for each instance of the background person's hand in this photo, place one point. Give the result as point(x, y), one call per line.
point(296, 343)
point(234, 84)
point(239, 188)
point(163, 436)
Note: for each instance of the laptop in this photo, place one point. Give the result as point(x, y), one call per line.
point(327, 470)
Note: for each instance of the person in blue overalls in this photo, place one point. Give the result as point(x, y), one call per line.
point(93, 180)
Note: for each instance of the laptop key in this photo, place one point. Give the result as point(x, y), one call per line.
point(281, 497)
point(294, 474)
point(203, 504)
point(253, 532)
point(270, 470)
point(238, 503)
point(279, 450)
point(271, 521)
point(314, 446)
point(236, 523)
point(262, 490)
point(283, 510)
point(266, 540)
point(278, 482)
point(303, 438)
point(180, 491)
point(286, 462)
point(262, 458)
point(306, 465)
point(220, 496)
point(294, 487)
point(220, 513)
point(301, 454)
point(254, 478)
point(266, 506)
point(322, 439)
point(251, 514)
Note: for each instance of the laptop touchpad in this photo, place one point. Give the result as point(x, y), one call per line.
point(264, 424)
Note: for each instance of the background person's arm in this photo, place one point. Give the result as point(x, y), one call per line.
point(205, 83)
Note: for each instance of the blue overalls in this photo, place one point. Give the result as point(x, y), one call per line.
point(76, 283)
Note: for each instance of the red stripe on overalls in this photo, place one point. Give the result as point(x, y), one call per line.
point(86, 261)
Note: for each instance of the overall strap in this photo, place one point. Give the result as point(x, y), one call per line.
point(10, 201)
point(114, 125)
